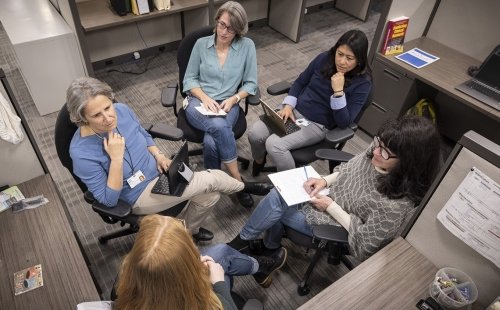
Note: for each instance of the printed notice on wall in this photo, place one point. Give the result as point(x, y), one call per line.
point(473, 215)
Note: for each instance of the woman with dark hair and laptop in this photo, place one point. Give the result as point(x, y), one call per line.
point(329, 93)
point(118, 160)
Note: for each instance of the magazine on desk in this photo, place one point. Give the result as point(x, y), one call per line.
point(417, 58)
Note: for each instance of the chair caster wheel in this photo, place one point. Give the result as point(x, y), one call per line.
point(303, 289)
point(102, 240)
point(245, 165)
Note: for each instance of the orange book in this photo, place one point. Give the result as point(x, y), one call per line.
point(395, 35)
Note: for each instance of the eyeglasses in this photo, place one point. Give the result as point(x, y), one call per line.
point(384, 152)
point(222, 26)
point(183, 222)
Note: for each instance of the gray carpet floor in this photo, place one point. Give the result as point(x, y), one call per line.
point(278, 59)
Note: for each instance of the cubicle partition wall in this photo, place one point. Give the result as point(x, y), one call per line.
point(473, 154)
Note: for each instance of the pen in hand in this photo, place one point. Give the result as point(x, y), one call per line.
point(305, 170)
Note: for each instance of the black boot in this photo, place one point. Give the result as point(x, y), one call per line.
point(257, 188)
point(269, 264)
point(245, 199)
point(257, 168)
point(203, 235)
point(238, 244)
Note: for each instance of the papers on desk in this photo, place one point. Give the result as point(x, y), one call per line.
point(28, 279)
point(417, 58)
point(471, 214)
point(206, 112)
point(9, 196)
point(290, 184)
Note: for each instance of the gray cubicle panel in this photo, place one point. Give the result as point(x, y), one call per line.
point(18, 162)
point(437, 243)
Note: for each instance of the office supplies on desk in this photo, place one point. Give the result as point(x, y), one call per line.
point(485, 85)
point(28, 279)
point(273, 120)
point(417, 58)
point(9, 196)
point(290, 184)
point(174, 181)
point(395, 35)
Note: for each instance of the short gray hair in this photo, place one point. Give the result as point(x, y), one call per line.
point(237, 16)
point(79, 92)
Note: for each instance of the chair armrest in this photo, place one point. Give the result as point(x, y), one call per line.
point(279, 88)
point(338, 135)
point(253, 99)
point(253, 304)
point(164, 131)
point(333, 155)
point(330, 233)
point(120, 211)
point(169, 95)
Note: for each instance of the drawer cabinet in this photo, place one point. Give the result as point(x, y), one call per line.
point(393, 92)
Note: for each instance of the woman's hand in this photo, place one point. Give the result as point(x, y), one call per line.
point(286, 113)
point(210, 104)
point(216, 271)
point(227, 104)
point(162, 162)
point(321, 202)
point(314, 185)
point(114, 145)
point(337, 81)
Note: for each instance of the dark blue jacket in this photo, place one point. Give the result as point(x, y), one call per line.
point(313, 92)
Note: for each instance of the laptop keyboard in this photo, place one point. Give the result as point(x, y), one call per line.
point(162, 186)
point(484, 90)
point(291, 127)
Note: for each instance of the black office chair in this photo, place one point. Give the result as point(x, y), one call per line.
point(122, 212)
point(326, 238)
point(169, 96)
point(335, 139)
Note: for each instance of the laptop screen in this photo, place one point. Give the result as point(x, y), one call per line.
point(489, 72)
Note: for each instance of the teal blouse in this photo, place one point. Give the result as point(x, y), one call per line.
point(218, 82)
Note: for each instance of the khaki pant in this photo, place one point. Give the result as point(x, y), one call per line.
point(202, 192)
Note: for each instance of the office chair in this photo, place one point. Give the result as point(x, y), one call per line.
point(335, 139)
point(122, 212)
point(169, 95)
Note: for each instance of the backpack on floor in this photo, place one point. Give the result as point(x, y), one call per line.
point(424, 107)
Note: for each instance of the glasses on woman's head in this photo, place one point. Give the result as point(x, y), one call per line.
point(384, 152)
point(222, 26)
point(182, 221)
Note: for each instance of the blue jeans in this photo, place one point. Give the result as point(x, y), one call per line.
point(219, 144)
point(270, 216)
point(233, 262)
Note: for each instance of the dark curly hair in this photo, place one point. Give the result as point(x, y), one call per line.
point(416, 142)
point(356, 40)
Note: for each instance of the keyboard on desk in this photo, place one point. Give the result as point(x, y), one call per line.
point(291, 127)
point(484, 90)
point(162, 186)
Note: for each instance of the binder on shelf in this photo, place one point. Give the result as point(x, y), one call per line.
point(143, 6)
point(162, 4)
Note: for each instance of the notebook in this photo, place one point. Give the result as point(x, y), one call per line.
point(485, 86)
point(273, 120)
point(173, 182)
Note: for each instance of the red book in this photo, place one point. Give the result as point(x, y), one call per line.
point(395, 35)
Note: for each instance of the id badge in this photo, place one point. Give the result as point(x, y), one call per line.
point(135, 179)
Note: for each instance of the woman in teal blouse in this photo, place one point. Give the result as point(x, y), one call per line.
point(221, 71)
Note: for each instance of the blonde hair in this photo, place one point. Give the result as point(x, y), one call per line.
point(163, 270)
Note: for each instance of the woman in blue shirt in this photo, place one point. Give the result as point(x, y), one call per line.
point(329, 93)
point(221, 71)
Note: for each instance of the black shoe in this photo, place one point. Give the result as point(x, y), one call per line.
point(203, 235)
point(238, 244)
point(269, 264)
point(245, 199)
point(257, 188)
point(257, 168)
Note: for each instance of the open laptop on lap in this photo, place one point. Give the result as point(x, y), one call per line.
point(173, 182)
point(273, 120)
point(485, 85)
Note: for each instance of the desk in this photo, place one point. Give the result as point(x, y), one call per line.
point(396, 277)
point(398, 86)
point(43, 236)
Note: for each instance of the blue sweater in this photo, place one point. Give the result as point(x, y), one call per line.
point(311, 95)
point(91, 162)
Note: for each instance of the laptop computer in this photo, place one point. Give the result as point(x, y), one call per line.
point(272, 119)
point(173, 182)
point(485, 85)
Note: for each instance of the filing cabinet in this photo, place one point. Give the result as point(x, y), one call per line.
point(393, 94)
